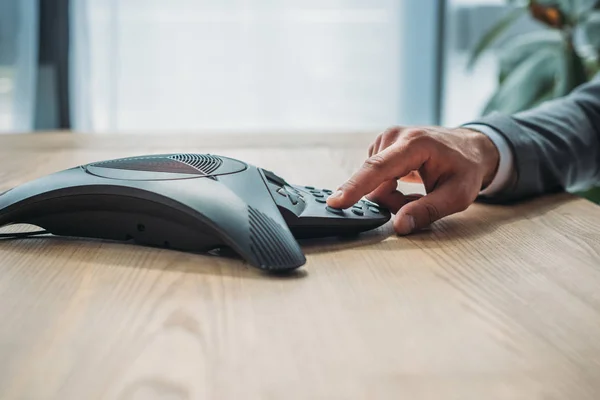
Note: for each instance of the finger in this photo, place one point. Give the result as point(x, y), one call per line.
point(395, 201)
point(375, 146)
point(387, 138)
point(387, 195)
point(449, 198)
point(385, 188)
point(394, 161)
point(386, 141)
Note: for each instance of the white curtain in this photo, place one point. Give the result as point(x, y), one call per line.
point(240, 65)
point(18, 64)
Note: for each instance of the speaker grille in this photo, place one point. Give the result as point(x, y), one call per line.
point(273, 246)
point(150, 164)
point(194, 164)
point(205, 163)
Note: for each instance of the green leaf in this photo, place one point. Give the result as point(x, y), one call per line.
point(573, 71)
point(591, 29)
point(527, 84)
point(546, 93)
point(494, 33)
point(592, 67)
point(521, 47)
point(582, 7)
point(591, 194)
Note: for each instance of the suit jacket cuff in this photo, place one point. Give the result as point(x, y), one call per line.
point(506, 163)
point(522, 182)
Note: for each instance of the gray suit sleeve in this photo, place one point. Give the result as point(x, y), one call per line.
point(556, 146)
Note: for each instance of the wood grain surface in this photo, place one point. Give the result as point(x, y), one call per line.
point(498, 302)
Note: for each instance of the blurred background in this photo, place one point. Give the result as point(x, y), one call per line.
point(140, 66)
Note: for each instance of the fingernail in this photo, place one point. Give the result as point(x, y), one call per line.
point(405, 224)
point(336, 195)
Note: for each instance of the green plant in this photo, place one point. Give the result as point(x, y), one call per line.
point(545, 64)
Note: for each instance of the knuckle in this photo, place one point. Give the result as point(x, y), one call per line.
point(350, 185)
point(376, 162)
point(433, 213)
point(392, 132)
point(415, 134)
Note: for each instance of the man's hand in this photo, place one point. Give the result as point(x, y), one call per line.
point(454, 164)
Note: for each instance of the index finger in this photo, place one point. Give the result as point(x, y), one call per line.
point(393, 162)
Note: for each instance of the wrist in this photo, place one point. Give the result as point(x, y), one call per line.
point(489, 155)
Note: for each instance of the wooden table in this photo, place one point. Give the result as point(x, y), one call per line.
point(497, 302)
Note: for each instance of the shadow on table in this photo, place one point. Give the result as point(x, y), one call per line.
point(74, 251)
point(333, 244)
point(484, 219)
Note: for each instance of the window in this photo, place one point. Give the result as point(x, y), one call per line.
point(241, 65)
point(229, 65)
point(18, 60)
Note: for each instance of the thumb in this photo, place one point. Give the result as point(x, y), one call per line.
point(449, 198)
